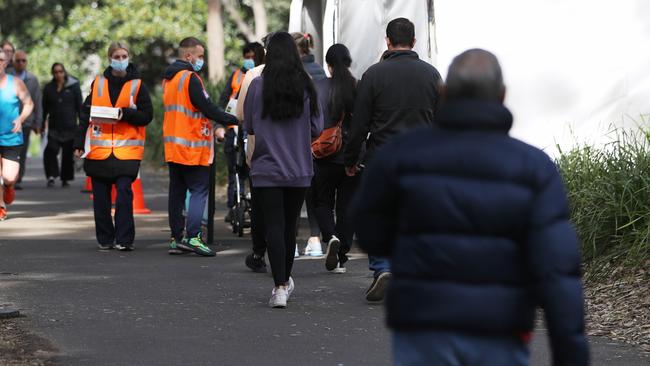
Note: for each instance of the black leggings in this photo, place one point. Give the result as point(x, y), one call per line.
point(280, 208)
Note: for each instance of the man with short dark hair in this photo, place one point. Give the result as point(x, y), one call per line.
point(476, 224)
point(396, 95)
point(35, 120)
point(189, 147)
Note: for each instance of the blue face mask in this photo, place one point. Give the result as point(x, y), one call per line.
point(118, 65)
point(248, 64)
point(198, 65)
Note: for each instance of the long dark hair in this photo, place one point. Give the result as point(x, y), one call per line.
point(343, 84)
point(286, 81)
point(65, 72)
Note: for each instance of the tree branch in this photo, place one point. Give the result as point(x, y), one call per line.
point(234, 14)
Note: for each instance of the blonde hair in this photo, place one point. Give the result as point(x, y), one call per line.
point(304, 41)
point(116, 46)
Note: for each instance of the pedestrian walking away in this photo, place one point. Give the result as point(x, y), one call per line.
point(61, 110)
point(332, 188)
point(255, 260)
point(476, 224)
point(13, 96)
point(305, 43)
point(397, 94)
point(188, 137)
point(113, 147)
point(33, 123)
point(283, 113)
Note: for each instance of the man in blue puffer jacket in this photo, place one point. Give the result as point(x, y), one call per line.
point(476, 224)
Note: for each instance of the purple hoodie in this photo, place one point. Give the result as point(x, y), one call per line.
point(282, 155)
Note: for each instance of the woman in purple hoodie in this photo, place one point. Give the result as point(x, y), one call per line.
point(282, 111)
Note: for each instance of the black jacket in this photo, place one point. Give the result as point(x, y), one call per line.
point(395, 95)
point(313, 69)
point(113, 167)
point(62, 107)
point(476, 224)
point(199, 97)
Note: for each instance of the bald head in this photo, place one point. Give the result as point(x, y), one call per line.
point(475, 74)
point(20, 61)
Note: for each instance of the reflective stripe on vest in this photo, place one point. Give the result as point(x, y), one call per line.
point(185, 142)
point(181, 109)
point(116, 143)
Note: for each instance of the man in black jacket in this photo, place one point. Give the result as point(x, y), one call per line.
point(396, 95)
point(476, 224)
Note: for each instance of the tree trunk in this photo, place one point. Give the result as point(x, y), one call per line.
point(216, 58)
point(261, 23)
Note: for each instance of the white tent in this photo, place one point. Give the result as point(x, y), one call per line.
point(573, 68)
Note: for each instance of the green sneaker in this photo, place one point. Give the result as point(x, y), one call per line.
point(176, 249)
point(198, 246)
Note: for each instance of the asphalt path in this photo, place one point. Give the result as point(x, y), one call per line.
point(149, 308)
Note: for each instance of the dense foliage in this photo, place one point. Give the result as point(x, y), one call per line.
point(609, 193)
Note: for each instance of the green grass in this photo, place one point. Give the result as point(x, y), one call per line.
point(609, 194)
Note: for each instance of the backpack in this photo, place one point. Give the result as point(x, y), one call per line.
point(329, 142)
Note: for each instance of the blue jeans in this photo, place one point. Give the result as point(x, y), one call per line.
point(181, 179)
point(446, 348)
point(379, 265)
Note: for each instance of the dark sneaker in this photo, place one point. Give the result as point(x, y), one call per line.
point(378, 288)
point(229, 216)
point(340, 269)
point(65, 184)
point(198, 246)
point(256, 263)
point(105, 247)
point(175, 249)
point(124, 247)
point(332, 257)
point(50, 182)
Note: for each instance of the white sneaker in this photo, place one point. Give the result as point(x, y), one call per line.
point(313, 247)
point(290, 287)
point(296, 254)
point(278, 298)
point(339, 269)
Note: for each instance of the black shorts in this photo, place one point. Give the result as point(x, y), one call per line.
point(11, 152)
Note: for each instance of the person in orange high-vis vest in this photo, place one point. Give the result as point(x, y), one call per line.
point(188, 137)
point(253, 54)
point(114, 148)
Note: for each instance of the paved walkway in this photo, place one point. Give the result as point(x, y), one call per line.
point(149, 308)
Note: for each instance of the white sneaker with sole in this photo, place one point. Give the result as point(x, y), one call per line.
point(290, 287)
point(313, 247)
point(278, 298)
point(339, 269)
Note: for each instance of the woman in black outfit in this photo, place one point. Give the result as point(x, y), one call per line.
point(332, 188)
point(114, 171)
point(61, 109)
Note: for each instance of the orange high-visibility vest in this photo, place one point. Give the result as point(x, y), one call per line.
point(235, 85)
point(187, 133)
point(124, 140)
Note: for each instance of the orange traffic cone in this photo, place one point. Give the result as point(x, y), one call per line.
point(88, 188)
point(138, 197)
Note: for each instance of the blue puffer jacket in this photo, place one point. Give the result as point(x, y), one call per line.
point(476, 224)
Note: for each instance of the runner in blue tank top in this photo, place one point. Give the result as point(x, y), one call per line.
point(12, 93)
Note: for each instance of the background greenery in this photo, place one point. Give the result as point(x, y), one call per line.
point(609, 193)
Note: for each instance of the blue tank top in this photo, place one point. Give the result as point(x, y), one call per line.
point(9, 111)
